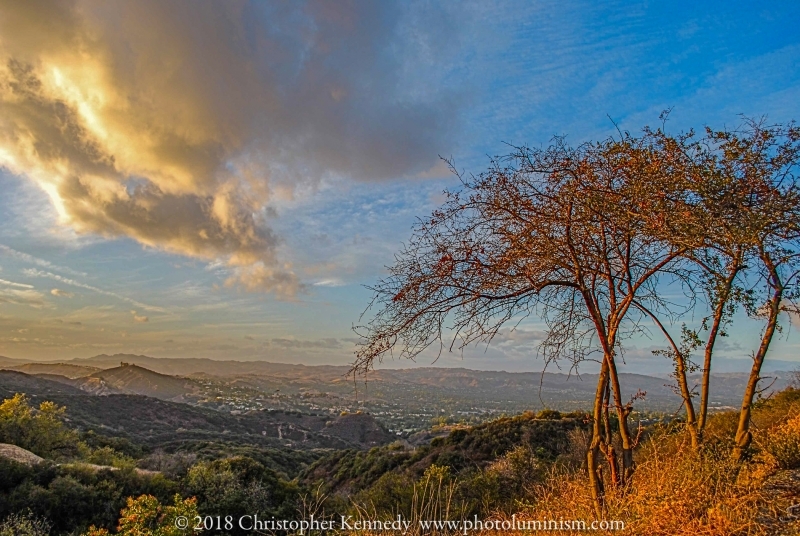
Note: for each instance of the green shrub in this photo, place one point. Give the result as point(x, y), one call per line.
point(24, 524)
point(240, 486)
point(39, 430)
point(549, 414)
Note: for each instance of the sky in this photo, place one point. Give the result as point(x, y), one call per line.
point(222, 179)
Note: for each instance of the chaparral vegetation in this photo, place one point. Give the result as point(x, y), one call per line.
point(593, 239)
point(596, 240)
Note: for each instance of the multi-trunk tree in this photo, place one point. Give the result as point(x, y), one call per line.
point(763, 162)
point(589, 239)
point(556, 232)
point(740, 198)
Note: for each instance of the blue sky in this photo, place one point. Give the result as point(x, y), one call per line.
point(221, 179)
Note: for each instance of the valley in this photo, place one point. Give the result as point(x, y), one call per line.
point(403, 402)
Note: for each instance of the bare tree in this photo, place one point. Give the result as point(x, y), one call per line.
point(559, 232)
point(718, 245)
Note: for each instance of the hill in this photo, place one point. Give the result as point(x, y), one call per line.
point(166, 424)
point(94, 386)
point(464, 448)
point(123, 379)
point(6, 362)
point(12, 382)
point(533, 468)
point(404, 400)
point(136, 380)
point(67, 370)
point(532, 388)
point(189, 366)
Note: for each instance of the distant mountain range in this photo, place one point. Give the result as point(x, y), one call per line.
point(61, 369)
point(175, 379)
point(157, 422)
point(188, 366)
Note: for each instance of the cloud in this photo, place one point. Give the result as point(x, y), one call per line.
point(13, 284)
point(183, 125)
point(335, 282)
point(264, 276)
point(139, 318)
point(327, 344)
point(62, 293)
point(518, 339)
point(20, 294)
point(37, 261)
point(17, 296)
point(33, 272)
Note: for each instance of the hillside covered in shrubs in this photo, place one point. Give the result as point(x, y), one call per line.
point(529, 466)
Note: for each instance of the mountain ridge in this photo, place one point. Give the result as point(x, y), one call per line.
point(161, 423)
point(177, 379)
point(190, 365)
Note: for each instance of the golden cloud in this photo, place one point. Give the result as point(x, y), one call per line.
point(61, 293)
point(178, 124)
point(139, 318)
point(17, 296)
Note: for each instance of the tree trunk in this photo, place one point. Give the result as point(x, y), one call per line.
point(623, 411)
point(743, 435)
point(683, 382)
point(719, 312)
point(608, 451)
point(593, 454)
point(691, 420)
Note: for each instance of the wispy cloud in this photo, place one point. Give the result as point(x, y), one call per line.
point(33, 272)
point(13, 284)
point(139, 318)
point(329, 283)
point(30, 259)
point(17, 296)
point(322, 344)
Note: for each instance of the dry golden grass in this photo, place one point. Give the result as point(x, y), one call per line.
point(676, 491)
point(673, 492)
point(780, 444)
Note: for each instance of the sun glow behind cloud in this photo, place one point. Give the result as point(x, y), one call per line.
point(182, 126)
